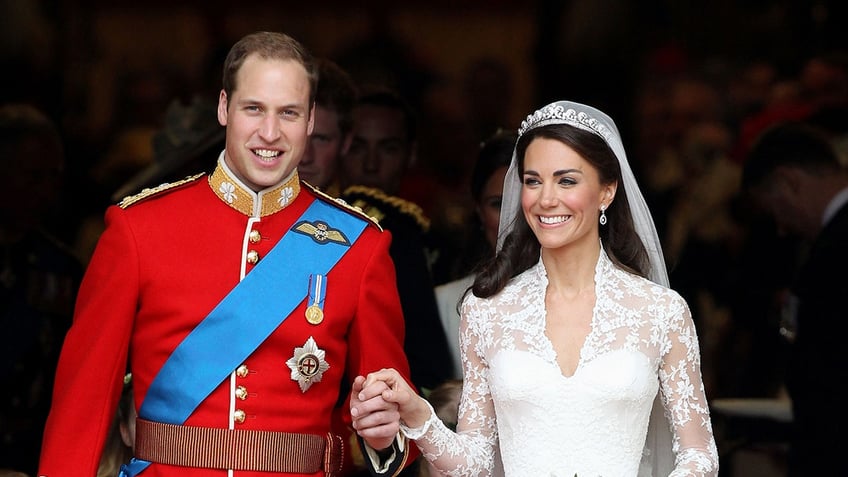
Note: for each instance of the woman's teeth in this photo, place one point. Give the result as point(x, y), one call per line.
point(553, 220)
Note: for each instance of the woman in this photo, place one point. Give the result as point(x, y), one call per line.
point(571, 334)
point(487, 180)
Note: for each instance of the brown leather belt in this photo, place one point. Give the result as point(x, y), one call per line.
point(239, 449)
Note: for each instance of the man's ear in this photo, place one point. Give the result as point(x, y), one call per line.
point(347, 140)
point(222, 108)
point(311, 123)
point(413, 155)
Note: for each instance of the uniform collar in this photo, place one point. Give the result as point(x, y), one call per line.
point(234, 193)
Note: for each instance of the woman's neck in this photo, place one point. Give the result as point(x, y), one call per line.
point(571, 269)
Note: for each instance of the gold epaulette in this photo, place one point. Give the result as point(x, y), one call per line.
point(340, 203)
point(406, 207)
point(151, 191)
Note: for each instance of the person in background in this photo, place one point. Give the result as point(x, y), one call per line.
point(792, 174)
point(118, 449)
point(246, 300)
point(384, 145)
point(331, 136)
point(570, 335)
point(189, 142)
point(487, 180)
point(39, 278)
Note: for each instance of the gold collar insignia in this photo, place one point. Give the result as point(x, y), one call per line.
point(255, 204)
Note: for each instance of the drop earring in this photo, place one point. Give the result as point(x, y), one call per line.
point(603, 218)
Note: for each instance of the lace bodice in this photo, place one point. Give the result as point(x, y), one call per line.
point(517, 403)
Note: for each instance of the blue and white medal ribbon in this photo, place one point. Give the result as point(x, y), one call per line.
point(317, 294)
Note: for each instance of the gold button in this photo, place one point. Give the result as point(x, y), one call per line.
point(241, 392)
point(242, 371)
point(238, 416)
point(255, 236)
point(252, 257)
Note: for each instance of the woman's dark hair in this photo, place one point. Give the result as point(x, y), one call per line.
point(521, 249)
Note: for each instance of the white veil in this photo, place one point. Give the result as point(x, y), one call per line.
point(658, 459)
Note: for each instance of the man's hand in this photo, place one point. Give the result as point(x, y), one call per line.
point(383, 390)
point(376, 420)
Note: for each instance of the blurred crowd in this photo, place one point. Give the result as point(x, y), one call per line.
point(688, 127)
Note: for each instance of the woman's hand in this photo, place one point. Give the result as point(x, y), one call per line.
point(387, 385)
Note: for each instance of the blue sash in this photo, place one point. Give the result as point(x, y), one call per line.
point(255, 307)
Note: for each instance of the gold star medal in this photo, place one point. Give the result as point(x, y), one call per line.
point(315, 300)
point(307, 365)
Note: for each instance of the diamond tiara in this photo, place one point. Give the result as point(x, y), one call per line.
point(556, 114)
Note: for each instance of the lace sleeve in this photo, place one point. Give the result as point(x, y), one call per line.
point(684, 397)
point(470, 450)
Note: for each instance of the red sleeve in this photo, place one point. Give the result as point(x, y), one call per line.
point(377, 332)
point(90, 373)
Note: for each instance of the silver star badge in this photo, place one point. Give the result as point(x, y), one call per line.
point(307, 365)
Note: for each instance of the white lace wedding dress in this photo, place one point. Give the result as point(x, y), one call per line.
point(518, 405)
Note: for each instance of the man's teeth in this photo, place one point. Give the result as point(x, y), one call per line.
point(266, 153)
point(553, 220)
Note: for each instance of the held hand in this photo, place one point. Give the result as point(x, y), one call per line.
point(376, 420)
point(394, 389)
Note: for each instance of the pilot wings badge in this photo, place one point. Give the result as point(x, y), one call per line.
point(321, 232)
point(307, 365)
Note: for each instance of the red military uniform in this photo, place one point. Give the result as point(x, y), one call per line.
point(162, 264)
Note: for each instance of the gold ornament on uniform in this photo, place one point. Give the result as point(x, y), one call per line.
point(308, 364)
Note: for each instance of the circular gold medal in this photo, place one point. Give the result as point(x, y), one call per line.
point(314, 314)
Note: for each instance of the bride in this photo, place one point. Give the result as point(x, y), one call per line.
point(578, 359)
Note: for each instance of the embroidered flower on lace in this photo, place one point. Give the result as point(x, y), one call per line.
point(286, 195)
point(229, 191)
point(555, 114)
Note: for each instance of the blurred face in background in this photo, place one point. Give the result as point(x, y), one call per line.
point(381, 150)
point(39, 180)
point(327, 144)
point(489, 205)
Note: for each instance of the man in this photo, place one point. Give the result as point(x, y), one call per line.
point(331, 134)
point(244, 298)
point(39, 278)
point(371, 173)
point(793, 174)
